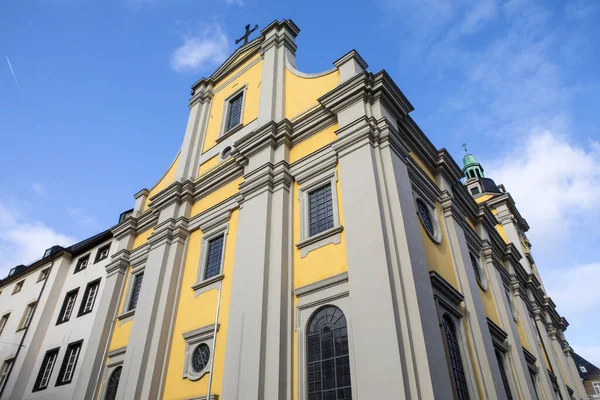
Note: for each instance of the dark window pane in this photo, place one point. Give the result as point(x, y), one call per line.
point(135, 291)
point(213, 259)
point(328, 364)
point(234, 112)
point(423, 212)
point(320, 210)
point(458, 372)
point(113, 384)
point(500, 360)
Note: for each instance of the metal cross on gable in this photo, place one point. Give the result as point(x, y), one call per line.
point(464, 146)
point(247, 34)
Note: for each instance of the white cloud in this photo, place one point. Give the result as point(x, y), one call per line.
point(554, 182)
point(39, 189)
point(199, 52)
point(475, 18)
point(23, 241)
point(83, 218)
point(577, 296)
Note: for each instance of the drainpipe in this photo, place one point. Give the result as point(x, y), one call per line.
point(212, 359)
point(27, 328)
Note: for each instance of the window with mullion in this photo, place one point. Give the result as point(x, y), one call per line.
point(214, 257)
point(82, 263)
point(135, 291)
point(320, 208)
point(28, 316)
point(3, 322)
point(89, 297)
point(6, 367)
point(500, 359)
point(67, 369)
point(234, 112)
point(458, 371)
point(67, 306)
point(45, 372)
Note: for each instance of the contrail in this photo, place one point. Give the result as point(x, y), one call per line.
point(12, 71)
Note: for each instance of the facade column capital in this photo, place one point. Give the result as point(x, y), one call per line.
point(119, 263)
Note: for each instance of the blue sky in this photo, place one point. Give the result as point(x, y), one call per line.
point(97, 106)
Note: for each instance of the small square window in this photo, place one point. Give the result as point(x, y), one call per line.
point(43, 377)
point(18, 287)
point(102, 253)
point(43, 274)
point(82, 263)
point(582, 368)
point(67, 307)
point(234, 112)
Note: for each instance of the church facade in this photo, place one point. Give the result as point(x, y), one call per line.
point(307, 242)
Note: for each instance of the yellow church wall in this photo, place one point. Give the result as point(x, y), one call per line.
point(142, 238)
point(251, 78)
point(121, 332)
point(217, 196)
point(439, 256)
point(489, 306)
point(500, 230)
point(203, 310)
point(421, 164)
point(302, 93)
point(208, 165)
point(483, 198)
point(323, 262)
point(166, 180)
point(313, 143)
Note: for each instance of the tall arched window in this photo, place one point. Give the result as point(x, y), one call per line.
point(500, 359)
point(458, 371)
point(328, 364)
point(113, 384)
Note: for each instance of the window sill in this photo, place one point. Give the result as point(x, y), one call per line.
point(207, 284)
point(229, 133)
point(331, 235)
point(81, 314)
point(126, 316)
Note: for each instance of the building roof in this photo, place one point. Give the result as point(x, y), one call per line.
point(590, 369)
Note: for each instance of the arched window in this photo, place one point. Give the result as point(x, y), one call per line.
point(500, 359)
point(425, 217)
point(328, 364)
point(113, 384)
point(458, 371)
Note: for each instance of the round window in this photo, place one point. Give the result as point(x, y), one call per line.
point(226, 152)
point(200, 357)
point(425, 217)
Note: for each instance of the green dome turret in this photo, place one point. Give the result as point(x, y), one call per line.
point(471, 168)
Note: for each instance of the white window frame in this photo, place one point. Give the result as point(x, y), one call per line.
point(6, 368)
point(69, 307)
point(483, 282)
point(86, 300)
point(101, 251)
point(82, 263)
point(49, 368)
point(307, 242)
point(18, 286)
point(28, 315)
point(330, 291)
point(222, 132)
point(202, 284)
point(116, 358)
point(596, 387)
point(72, 359)
point(4, 322)
point(193, 339)
point(44, 274)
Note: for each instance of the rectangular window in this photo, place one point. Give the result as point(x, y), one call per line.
point(89, 297)
point(135, 290)
point(43, 274)
point(320, 210)
point(3, 322)
point(234, 112)
point(18, 287)
point(67, 369)
point(214, 256)
point(596, 386)
point(27, 316)
point(43, 377)
point(67, 307)
point(82, 263)
point(102, 253)
point(474, 191)
point(6, 367)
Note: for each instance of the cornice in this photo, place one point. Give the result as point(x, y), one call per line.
point(267, 177)
point(169, 231)
point(118, 263)
point(215, 215)
point(127, 227)
point(311, 123)
point(445, 289)
point(217, 178)
point(498, 335)
point(269, 135)
point(506, 199)
point(139, 255)
point(316, 162)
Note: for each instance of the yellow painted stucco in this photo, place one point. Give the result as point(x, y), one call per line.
point(474, 361)
point(142, 238)
point(470, 223)
point(166, 180)
point(421, 164)
point(217, 196)
point(439, 256)
point(323, 262)
point(313, 143)
point(301, 93)
point(121, 331)
point(483, 198)
point(522, 336)
point(489, 305)
point(500, 230)
point(208, 165)
point(251, 78)
point(194, 313)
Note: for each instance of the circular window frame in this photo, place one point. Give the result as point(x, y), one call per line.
point(189, 371)
point(476, 263)
point(228, 150)
point(197, 348)
point(436, 236)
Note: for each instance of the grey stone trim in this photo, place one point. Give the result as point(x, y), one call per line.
point(531, 360)
point(194, 338)
point(116, 352)
point(222, 133)
point(118, 264)
point(126, 316)
point(319, 240)
point(310, 123)
point(116, 358)
point(498, 336)
point(236, 75)
point(215, 231)
point(207, 285)
point(139, 255)
point(321, 285)
point(445, 292)
point(212, 397)
point(437, 236)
